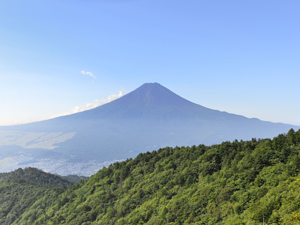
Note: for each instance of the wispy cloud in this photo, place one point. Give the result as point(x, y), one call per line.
point(92, 105)
point(76, 109)
point(88, 73)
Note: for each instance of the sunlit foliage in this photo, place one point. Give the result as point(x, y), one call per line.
point(239, 182)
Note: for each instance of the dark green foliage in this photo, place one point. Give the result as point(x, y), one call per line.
point(17, 195)
point(21, 189)
point(74, 178)
point(37, 176)
point(239, 182)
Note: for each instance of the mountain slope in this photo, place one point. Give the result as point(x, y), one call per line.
point(148, 118)
point(74, 178)
point(240, 182)
point(21, 189)
point(36, 176)
point(17, 195)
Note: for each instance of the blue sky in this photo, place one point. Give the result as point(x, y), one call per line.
point(236, 56)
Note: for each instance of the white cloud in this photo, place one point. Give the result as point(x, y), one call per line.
point(92, 105)
point(76, 109)
point(92, 75)
point(88, 73)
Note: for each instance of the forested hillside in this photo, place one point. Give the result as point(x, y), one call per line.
point(20, 189)
point(240, 182)
point(37, 176)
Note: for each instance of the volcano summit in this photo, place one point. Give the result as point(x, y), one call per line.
point(145, 119)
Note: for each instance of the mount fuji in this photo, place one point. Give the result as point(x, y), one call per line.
point(145, 119)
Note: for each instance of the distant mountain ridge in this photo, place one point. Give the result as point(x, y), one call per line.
point(36, 176)
point(145, 119)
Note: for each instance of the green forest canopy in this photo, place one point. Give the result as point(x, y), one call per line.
point(239, 182)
